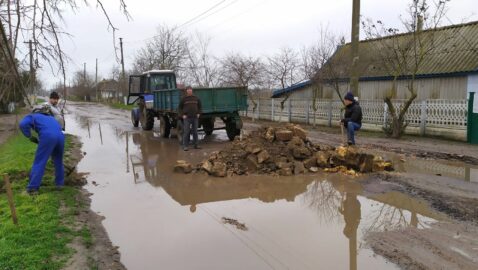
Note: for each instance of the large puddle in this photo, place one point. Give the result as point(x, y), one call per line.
point(162, 220)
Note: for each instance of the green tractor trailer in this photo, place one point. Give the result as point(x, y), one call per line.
point(157, 96)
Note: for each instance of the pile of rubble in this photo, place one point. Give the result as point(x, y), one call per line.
point(284, 151)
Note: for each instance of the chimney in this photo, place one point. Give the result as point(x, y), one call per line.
point(419, 23)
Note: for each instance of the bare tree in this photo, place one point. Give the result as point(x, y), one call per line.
point(200, 67)
point(167, 50)
point(403, 57)
point(39, 21)
point(241, 70)
point(319, 66)
point(83, 85)
point(283, 67)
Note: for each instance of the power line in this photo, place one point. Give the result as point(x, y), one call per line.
point(215, 12)
point(190, 22)
point(234, 17)
point(205, 12)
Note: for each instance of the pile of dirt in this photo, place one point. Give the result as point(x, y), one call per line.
point(284, 151)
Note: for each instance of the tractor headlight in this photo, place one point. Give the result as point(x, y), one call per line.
point(149, 104)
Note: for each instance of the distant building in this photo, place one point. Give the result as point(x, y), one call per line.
point(449, 71)
point(109, 89)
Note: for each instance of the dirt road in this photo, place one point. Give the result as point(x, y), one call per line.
point(321, 221)
point(9, 125)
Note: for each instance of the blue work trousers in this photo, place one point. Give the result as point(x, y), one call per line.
point(351, 128)
point(49, 145)
point(190, 125)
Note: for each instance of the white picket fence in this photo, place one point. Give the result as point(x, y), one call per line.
point(436, 113)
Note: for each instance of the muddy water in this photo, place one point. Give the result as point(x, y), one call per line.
point(449, 168)
point(162, 220)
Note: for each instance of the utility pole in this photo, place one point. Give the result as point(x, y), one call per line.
point(354, 74)
point(96, 79)
point(84, 79)
point(32, 68)
point(123, 90)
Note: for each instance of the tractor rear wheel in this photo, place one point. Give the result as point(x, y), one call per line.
point(231, 130)
point(208, 126)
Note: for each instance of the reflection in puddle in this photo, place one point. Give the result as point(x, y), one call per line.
point(159, 218)
point(453, 169)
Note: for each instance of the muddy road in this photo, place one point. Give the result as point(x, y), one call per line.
point(163, 220)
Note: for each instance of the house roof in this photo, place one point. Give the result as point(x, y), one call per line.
point(450, 50)
point(279, 92)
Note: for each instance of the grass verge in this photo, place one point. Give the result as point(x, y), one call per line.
point(121, 106)
point(40, 101)
point(45, 222)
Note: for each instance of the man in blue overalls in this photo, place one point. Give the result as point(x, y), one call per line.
point(51, 142)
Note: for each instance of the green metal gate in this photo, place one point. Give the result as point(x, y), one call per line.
point(473, 119)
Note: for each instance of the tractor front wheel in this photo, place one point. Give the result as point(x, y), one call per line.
point(134, 117)
point(147, 119)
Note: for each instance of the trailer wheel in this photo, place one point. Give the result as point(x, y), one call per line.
point(147, 119)
point(134, 117)
point(164, 126)
point(208, 126)
point(179, 131)
point(231, 130)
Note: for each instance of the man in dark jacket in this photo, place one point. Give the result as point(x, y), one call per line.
point(352, 118)
point(50, 142)
point(190, 109)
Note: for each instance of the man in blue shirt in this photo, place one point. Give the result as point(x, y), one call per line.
point(50, 141)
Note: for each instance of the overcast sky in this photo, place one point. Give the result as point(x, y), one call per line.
point(256, 27)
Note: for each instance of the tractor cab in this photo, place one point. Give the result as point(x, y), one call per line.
point(141, 87)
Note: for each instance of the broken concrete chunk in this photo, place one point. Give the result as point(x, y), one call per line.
point(310, 162)
point(207, 166)
point(322, 159)
point(285, 171)
point(298, 167)
point(341, 151)
point(366, 162)
point(284, 135)
point(219, 169)
point(263, 156)
point(313, 169)
point(269, 135)
point(299, 132)
point(182, 166)
point(301, 153)
point(253, 148)
point(295, 142)
point(252, 163)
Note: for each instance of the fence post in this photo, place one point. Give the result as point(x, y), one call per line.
point(9, 192)
point(272, 110)
point(385, 114)
point(423, 117)
point(307, 117)
point(258, 112)
point(330, 113)
point(290, 110)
